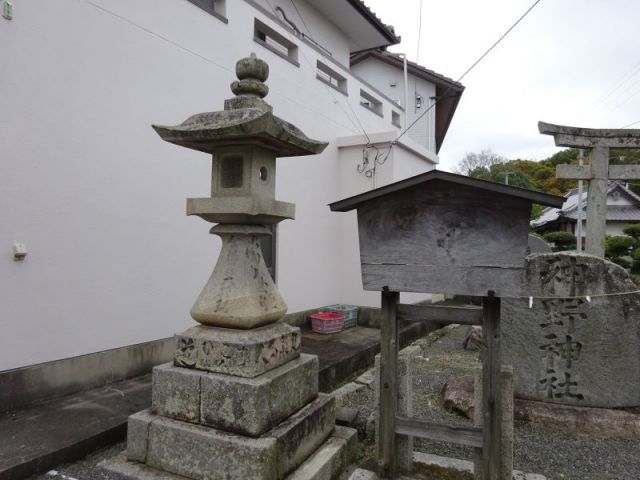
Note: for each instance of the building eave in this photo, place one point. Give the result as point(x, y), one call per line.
point(363, 28)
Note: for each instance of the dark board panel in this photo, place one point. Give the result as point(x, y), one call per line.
point(435, 238)
point(505, 282)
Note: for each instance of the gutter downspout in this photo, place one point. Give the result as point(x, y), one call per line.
point(406, 89)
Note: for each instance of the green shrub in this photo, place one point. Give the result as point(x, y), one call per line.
point(623, 262)
point(633, 230)
point(618, 246)
point(561, 240)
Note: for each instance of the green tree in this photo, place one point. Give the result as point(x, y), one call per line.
point(619, 246)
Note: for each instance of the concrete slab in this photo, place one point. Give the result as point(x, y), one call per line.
point(35, 439)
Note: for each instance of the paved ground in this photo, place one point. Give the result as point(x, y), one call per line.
point(35, 438)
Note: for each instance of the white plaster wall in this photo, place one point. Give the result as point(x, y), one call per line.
point(382, 76)
point(99, 199)
point(406, 164)
point(312, 23)
point(615, 228)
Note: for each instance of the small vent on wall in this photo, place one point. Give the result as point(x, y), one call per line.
point(277, 43)
point(370, 102)
point(217, 8)
point(332, 78)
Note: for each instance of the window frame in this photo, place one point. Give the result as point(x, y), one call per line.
point(261, 29)
point(217, 8)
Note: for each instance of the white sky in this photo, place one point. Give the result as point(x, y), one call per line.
point(570, 62)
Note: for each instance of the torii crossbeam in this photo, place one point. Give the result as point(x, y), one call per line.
point(598, 172)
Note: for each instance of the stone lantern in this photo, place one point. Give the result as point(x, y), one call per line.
point(244, 140)
point(239, 399)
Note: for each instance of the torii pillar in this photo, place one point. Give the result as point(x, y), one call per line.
point(598, 172)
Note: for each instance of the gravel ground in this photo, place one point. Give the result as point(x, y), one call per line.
point(557, 455)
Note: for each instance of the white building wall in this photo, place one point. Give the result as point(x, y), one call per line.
point(312, 23)
point(99, 199)
point(390, 80)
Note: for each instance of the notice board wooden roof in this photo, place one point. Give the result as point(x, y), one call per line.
point(531, 195)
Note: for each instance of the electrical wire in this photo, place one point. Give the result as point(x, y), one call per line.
point(468, 70)
point(628, 75)
point(301, 17)
point(209, 60)
point(631, 124)
point(151, 32)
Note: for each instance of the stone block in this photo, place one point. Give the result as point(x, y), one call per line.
point(302, 433)
point(176, 392)
point(251, 406)
point(199, 453)
point(138, 435)
point(330, 459)
point(324, 464)
point(244, 353)
point(567, 348)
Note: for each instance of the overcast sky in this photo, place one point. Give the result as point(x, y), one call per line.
point(571, 62)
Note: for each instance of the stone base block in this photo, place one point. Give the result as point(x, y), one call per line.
point(248, 406)
point(199, 452)
point(324, 464)
point(244, 353)
point(331, 458)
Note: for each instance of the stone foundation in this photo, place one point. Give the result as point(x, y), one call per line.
point(247, 406)
point(205, 425)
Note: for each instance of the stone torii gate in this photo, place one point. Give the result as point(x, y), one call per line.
point(598, 172)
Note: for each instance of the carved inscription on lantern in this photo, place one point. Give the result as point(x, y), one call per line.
point(235, 354)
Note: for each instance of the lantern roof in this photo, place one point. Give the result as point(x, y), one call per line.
point(246, 120)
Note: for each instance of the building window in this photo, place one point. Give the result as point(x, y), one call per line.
point(278, 44)
point(217, 8)
point(395, 119)
point(331, 77)
point(370, 102)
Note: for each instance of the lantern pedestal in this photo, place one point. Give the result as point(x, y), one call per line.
point(240, 292)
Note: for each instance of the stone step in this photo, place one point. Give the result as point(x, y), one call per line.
point(331, 458)
point(187, 449)
point(324, 464)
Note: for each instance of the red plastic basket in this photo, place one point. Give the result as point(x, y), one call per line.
point(327, 322)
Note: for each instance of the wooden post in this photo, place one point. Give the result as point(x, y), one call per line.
point(491, 388)
point(388, 385)
point(597, 201)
